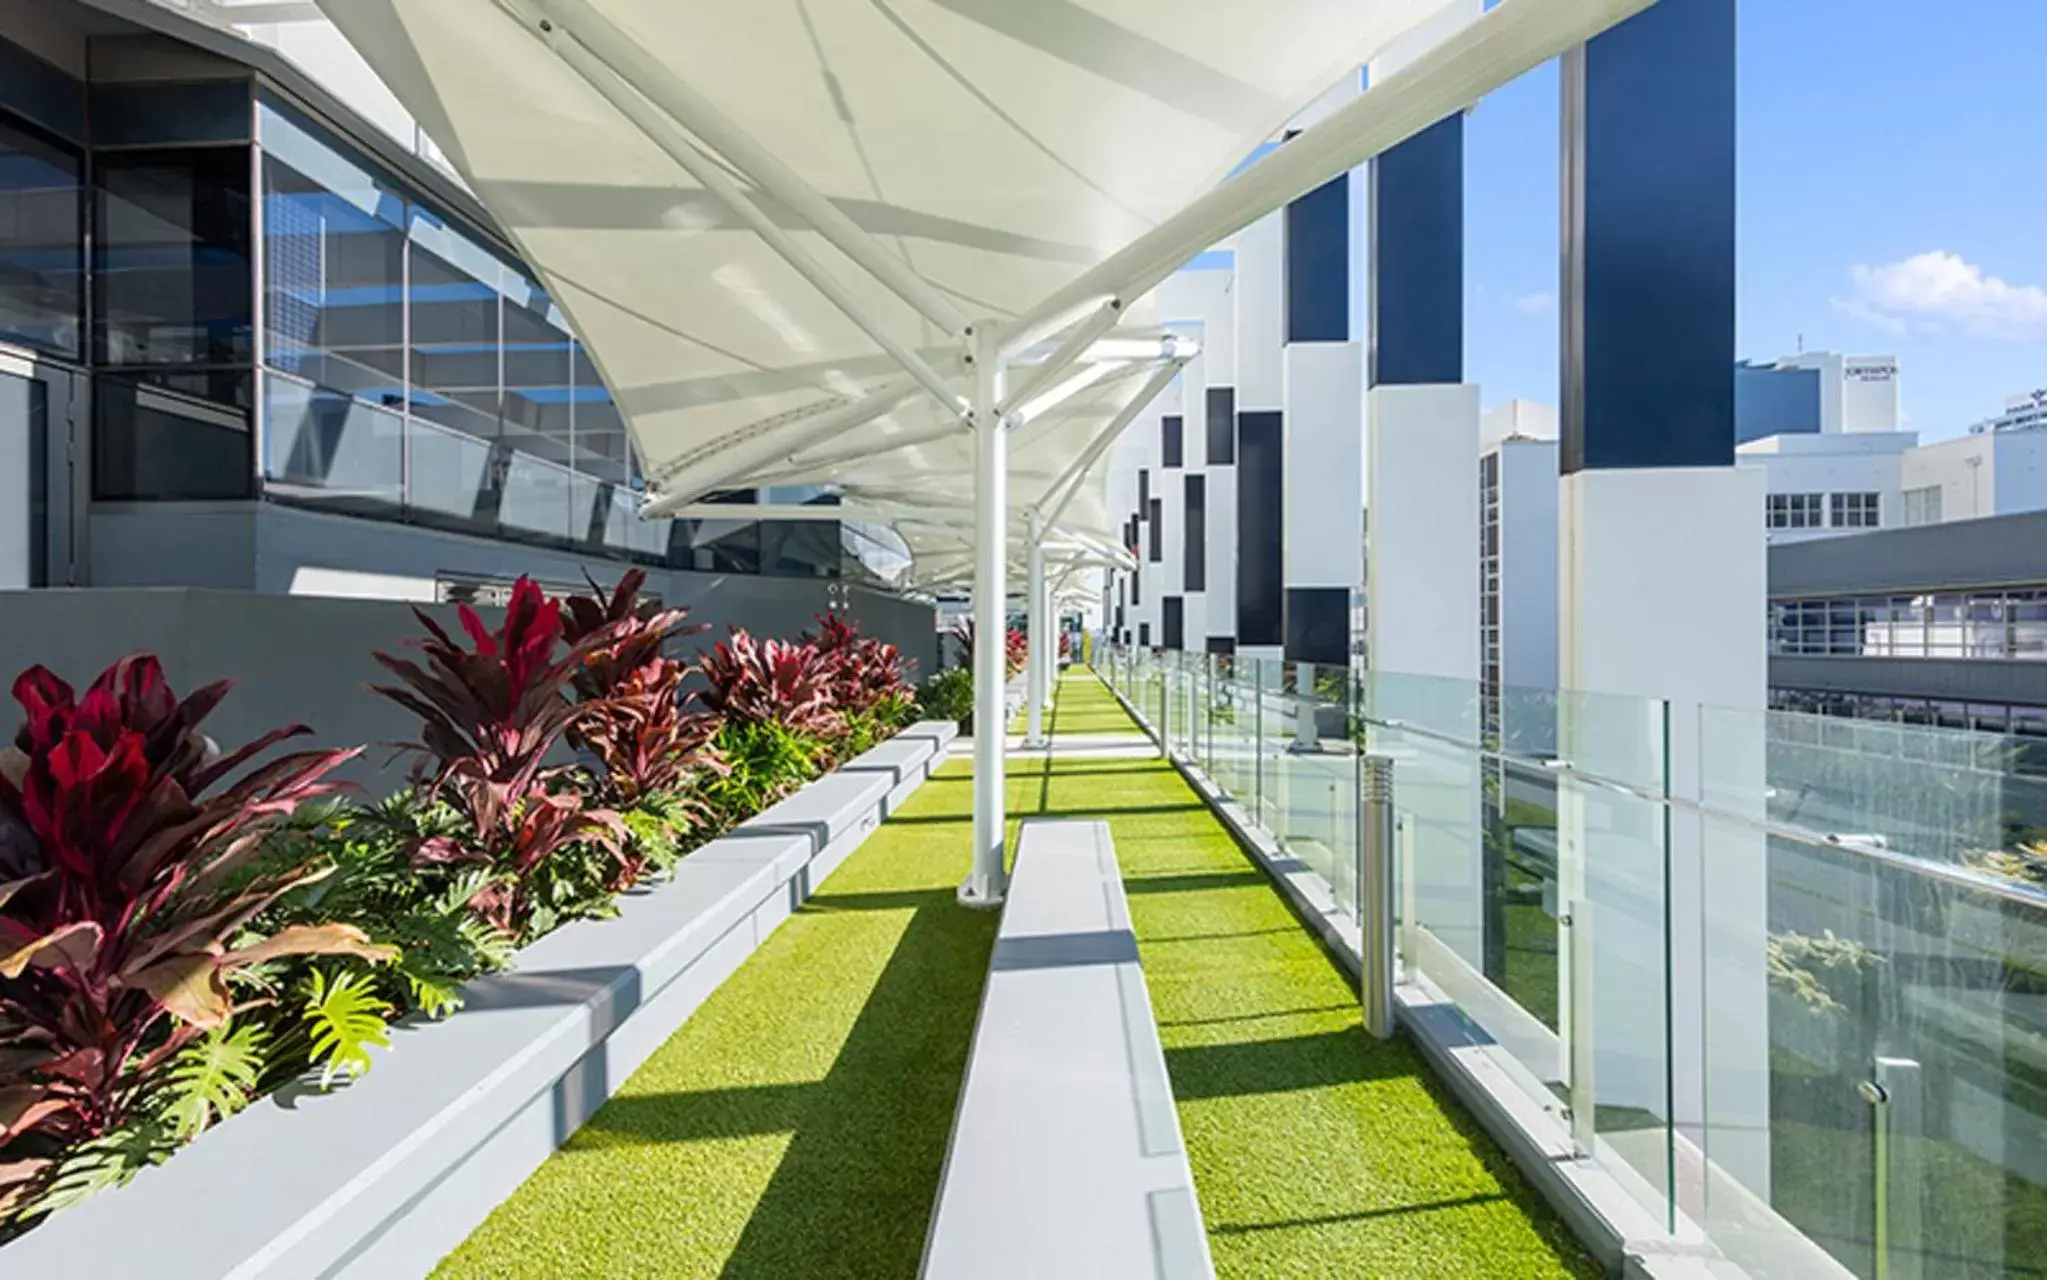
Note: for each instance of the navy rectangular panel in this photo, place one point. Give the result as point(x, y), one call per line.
point(1144, 634)
point(1318, 264)
point(1173, 622)
point(1170, 434)
point(1143, 491)
point(1647, 377)
point(1194, 574)
point(1135, 578)
point(1222, 644)
point(1222, 426)
point(1260, 527)
point(130, 115)
point(1415, 208)
point(1318, 625)
point(1157, 552)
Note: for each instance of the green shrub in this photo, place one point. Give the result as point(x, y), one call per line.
point(948, 695)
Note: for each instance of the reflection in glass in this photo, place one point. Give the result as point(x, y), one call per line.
point(150, 443)
point(173, 280)
point(454, 295)
point(325, 446)
point(42, 243)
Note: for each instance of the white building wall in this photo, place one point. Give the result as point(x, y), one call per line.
point(2021, 471)
point(1524, 419)
point(1830, 464)
point(1964, 470)
point(1869, 394)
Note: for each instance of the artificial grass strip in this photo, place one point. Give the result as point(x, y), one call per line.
point(1316, 1150)
point(796, 1125)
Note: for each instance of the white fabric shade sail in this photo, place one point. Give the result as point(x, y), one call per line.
point(772, 222)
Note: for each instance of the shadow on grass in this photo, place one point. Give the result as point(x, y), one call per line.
point(1196, 881)
point(1362, 1215)
point(1244, 1067)
point(852, 1193)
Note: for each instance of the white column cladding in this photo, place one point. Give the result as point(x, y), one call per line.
point(1170, 451)
point(1199, 301)
point(1663, 592)
point(1663, 571)
point(1324, 431)
point(1256, 580)
point(1422, 633)
point(1218, 436)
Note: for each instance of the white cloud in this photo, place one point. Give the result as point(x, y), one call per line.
point(1937, 291)
point(1536, 304)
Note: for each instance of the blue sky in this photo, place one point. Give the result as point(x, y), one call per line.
point(1892, 200)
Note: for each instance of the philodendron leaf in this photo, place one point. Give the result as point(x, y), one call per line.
point(213, 1078)
point(347, 1020)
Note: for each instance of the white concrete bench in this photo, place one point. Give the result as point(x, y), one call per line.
point(1066, 1157)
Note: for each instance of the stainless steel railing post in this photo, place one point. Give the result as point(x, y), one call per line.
point(1377, 851)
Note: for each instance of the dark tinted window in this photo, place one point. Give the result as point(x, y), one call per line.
point(174, 284)
point(42, 243)
point(156, 442)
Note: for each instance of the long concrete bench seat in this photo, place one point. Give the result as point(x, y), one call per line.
point(1066, 1157)
point(382, 1178)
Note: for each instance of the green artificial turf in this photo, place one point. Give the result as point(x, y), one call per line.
point(796, 1126)
point(1317, 1152)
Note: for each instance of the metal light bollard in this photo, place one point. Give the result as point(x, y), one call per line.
point(1377, 849)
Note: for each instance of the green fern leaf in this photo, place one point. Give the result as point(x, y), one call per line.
point(214, 1077)
point(348, 1020)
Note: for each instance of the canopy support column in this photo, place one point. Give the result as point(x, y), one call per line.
point(1036, 681)
point(988, 880)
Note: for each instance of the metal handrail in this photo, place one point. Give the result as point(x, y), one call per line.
point(1949, 873)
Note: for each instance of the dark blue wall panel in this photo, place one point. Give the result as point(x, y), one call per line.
point(1647, 376)
point(1173, 622)
point(1261, 601)
point(1222, 426)
point(1318, 264)
point(1171, 440)
point(1415, 207)
point(1318, 625)
point(1769, 401)
point(1194, 574)
point(1158, 531)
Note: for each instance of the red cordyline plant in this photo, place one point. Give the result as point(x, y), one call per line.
point(769, 682)
point(1016, 647)
point(638, 725)
point(863, 672)
point(125, 892)
point(489, 717)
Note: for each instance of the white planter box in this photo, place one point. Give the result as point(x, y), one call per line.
point(383, 1178)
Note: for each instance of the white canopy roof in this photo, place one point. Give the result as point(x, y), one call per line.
point(771, 220)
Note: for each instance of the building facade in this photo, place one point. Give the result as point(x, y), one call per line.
point(1815, 393)
point(1944, 625)
point(253, 334)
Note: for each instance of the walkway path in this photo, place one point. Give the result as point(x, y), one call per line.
point(796, 1126)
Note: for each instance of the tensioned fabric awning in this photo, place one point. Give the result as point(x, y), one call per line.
point(934, 162)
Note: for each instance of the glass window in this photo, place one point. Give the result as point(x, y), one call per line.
point(327, 447)
point(1792, 511)
point(539, 378)
point(333, 267)
point(173, 281)
point(128, 115)
point(1922, 506)
point(42, 244)
point(718, 546)
point(455, 294)
point(602, 446)
point(153, 442)
point(1854, 510)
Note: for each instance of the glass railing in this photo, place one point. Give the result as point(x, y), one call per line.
point(1783, 980)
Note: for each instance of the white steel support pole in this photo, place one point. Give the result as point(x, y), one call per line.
point(987, 882)
point(1034, 612)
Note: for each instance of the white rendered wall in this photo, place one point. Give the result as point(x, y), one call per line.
point(2021, 471)
point(1260, 311)
point(1830, 464)
point(1422, 641)
point(1517, 418)
point(1965, 471)
point(1663, 589)
point(1325, 430)
point(1869, 393)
